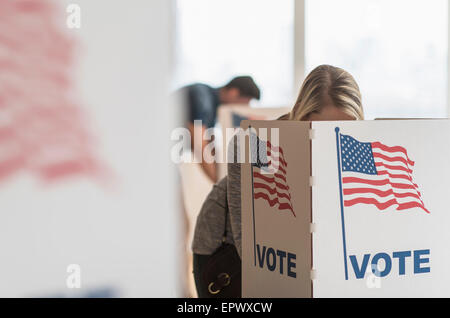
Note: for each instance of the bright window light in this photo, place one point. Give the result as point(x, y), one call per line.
point(396, 50)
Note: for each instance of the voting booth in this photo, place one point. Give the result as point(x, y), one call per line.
point(346, 209)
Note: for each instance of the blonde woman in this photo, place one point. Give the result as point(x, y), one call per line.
point(328, 93)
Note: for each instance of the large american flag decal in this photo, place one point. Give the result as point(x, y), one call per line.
point(270, 174)
point(376, 174)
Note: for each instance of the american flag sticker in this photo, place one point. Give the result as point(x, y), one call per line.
point(269, 174)
point(372, 173)
point(377, 174)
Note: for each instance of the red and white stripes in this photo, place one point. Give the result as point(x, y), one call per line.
point(393, 184)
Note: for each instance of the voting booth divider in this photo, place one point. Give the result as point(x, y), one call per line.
point(346, 209)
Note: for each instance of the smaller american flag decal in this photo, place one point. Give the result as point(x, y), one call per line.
point(270, 174)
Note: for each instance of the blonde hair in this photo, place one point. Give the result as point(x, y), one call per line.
point(327, 84)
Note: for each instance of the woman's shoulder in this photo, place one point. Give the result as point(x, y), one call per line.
point(219, 190)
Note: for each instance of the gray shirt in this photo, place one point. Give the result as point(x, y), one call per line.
point(224, 199)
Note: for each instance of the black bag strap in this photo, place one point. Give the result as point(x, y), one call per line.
point(224, 237)
point(222, 273)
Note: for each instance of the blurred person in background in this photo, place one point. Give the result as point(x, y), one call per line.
point(201, 102)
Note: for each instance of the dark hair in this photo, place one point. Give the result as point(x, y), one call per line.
point(246, 86)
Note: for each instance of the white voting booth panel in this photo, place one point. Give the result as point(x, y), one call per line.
point(276, 243)
point(402, 247)
point(378, 216)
